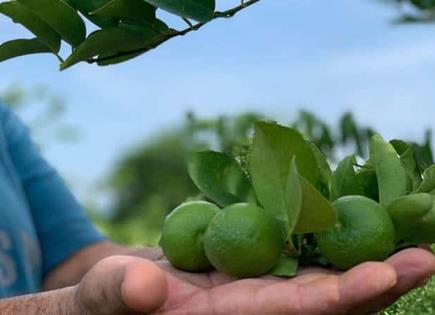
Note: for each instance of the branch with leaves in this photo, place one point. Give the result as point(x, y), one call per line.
point(415, 11)
point(126, 28)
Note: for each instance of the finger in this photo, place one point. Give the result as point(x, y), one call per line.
point(361, 284)
point(201, 280)
point(426, 247)
point(122, 285)
point(317, 270)
point(329, 294)
point(144, 287)
point(413, 268)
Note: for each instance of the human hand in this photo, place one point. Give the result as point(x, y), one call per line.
point(131, 285)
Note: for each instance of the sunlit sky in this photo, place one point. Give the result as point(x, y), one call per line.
point(276, 57)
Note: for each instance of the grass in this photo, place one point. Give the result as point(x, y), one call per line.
point(417, 302)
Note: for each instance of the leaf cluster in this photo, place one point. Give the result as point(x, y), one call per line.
point(291, 179)
point(125, 29)
point(415, 11)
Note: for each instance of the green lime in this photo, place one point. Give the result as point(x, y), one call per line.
point(182, 235)
point(364, 232)
point(243, 241)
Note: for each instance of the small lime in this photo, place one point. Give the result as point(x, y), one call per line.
point(182, 235)
point(364, 232)
point(243, 241)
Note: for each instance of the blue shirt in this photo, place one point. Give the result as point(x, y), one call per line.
point(41, 223)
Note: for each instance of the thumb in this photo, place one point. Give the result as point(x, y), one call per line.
point(144, 288)
point(122, 285)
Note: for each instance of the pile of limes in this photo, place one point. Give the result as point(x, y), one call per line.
point(284, 210)
point(241, 240)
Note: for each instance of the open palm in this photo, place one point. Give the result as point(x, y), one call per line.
point(137, 286)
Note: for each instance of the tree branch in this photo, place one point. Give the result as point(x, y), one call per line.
point(218, 15)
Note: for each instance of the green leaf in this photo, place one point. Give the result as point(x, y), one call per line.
point(21, 14)
point(137, 10)
point(391, 175)
point(103, 41)
point(60, 17)
point(424, 154)
point(323, 183)
point(409, 161)
point(317, 213)
point(112, 58)
point(220, 178)
point(369, 182)
point(199, 10)
point(293, 202)
point(414, 218)
point(270, 161)
point(88, 6)
point(152, 34)
point(428, 183)
point(286, 267)
point(423, 4)
point(344, 179)
point(407, 155)
point(400, 146)
point(21, 47)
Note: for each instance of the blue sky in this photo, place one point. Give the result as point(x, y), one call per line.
point(276, 57)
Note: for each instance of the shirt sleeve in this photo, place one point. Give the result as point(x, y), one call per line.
point(61, 223)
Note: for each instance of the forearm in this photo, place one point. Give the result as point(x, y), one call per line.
point(58, 302)
point(72, 270)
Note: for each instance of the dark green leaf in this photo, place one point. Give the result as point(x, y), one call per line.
point(220, 178)
point(61, 17)
point(103, 41)
point(407, 155)
point(317, 213)
point(21, 14)
point(428, 183)
point(369, 182)
point(400, 146)
point(286, 267)
point(152, 34)
point(344, 179)
point(424, 154)
point(21, 47)
point(423, 4)
point(88, 6)
point(200, 10)
point(390, 173)
point(137, 10)
point(410, 163)
point(113, 59)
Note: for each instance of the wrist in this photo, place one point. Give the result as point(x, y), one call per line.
point(72, 303)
